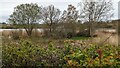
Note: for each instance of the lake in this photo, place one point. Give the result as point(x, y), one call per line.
point(41, 30)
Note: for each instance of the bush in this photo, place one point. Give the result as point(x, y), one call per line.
point(24, 53)
point(19, 54)
point(69, 35)
point(29, 53)
point(93, 56)
point(84, 33)
point(15, 35)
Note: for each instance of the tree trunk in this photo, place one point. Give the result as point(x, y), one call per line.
point(29, 32)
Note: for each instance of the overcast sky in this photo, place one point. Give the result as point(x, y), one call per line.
point(7, 6)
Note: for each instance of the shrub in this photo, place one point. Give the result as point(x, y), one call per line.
point(29, 53)
point(24, 53)
point(83, 33)
point(19, 54)
point(69, 35)
point(15, 35)
point(92, 56)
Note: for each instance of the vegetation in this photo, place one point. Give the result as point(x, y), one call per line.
point(55, 22)
point(62, 53)
point(65, 40)
point(27, 15)
point(50, 16)
point(93, 12)
point(80, 38)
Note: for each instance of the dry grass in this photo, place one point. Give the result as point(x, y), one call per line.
point(22, 33)
point(102, 36)
point(106, 38)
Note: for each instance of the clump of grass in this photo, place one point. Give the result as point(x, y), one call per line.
point(80, 38)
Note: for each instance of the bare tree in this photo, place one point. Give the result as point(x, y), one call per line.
point(26, 15)
point(95, 11)
point(50, 16)
point(69, 19)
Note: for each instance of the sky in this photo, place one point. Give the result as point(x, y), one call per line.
point(7, 6)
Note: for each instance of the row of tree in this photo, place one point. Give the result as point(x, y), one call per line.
point(59, 22)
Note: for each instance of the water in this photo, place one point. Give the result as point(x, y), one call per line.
point(40, 30)
point(107, 30)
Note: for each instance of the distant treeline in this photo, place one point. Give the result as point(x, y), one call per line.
point(17, 26)
point(111, 24)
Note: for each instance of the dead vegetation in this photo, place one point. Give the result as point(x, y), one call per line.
point(106, 38)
